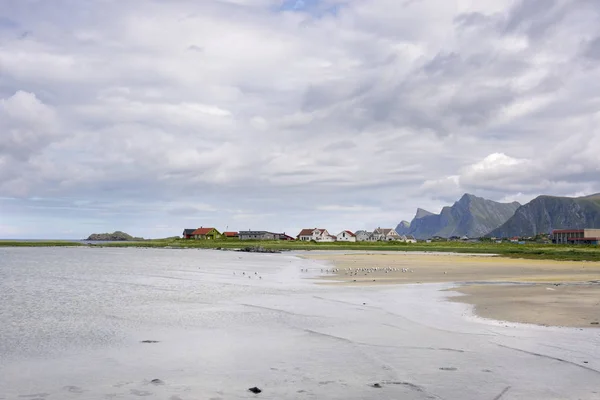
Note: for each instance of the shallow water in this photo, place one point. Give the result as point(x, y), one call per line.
point(72, 321)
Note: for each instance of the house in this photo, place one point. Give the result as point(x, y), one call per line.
point(231, 235)
point(363, 236)
point(206, 234)
point(410, 239)
point(263, 235)
point(188, 233)
point(258, 235)
point(316, 234)
point(386, 235)
point(283, 236)
point(346, 236)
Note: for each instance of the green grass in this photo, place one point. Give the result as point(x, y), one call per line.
point(529, 251)
point(45, 243)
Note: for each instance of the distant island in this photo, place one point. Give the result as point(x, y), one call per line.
point(113, 237)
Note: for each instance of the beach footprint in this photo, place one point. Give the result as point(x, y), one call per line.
point(73, 389)
point(34, 396)
point(140, 393)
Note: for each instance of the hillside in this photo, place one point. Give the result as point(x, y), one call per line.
point(116, 236)
point(403, 228)
point(471, 216)
point(545, 213)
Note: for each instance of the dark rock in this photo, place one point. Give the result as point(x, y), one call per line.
point(376, 385)
point(157, 382)
point(258, 249)
point(149, 341)
point(594, 323)
point(255, 390)
point(116, 236)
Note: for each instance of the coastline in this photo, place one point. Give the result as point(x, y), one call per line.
point(549, 293)
point(535, 251)
point(205, 326)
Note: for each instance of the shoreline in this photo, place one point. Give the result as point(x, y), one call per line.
point(535, 251)
point(539, 292)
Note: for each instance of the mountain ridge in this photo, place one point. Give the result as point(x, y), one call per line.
point(545, 213)
point(471, 216)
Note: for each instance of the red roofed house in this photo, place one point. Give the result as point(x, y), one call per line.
point(206, 234)
point(346, 236)
point(316, 234)
point(283, 236)
point(231, 235)
point(188, 233)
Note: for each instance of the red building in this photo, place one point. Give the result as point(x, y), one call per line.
point(576, 236)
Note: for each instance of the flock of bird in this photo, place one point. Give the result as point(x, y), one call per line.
point(347, 271)
point(250, 275)
point(357, 270)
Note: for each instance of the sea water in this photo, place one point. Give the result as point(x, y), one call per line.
point(74, 321)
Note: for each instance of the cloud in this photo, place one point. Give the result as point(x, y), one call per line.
point(269, 112)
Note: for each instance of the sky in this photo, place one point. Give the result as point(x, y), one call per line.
point(151, 116)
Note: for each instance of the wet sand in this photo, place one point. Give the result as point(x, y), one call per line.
point(573, 305)
point(104, 323)
point(543, 292)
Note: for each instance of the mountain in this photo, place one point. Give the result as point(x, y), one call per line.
point(403, 228)
point(113, 237)
point(471, 216)
point(545, 213)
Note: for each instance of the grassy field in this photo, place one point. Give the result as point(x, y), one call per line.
point(529, 251)
point(41, 243)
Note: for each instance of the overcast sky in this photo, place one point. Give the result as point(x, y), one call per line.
point(151, 116)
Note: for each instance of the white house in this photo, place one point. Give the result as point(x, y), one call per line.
point(363, 236)
point(385, 234)
point(346, 236)
point(409, 239)
point(316, 234)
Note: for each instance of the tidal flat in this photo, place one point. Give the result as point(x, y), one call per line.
point(93, 323)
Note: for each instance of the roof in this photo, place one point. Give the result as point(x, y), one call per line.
point(410, 237)
point(255, 233)
point(230, 234)
point(349, 233)
point(202, 231)
point(189, 231)
point(568, 231)
point(309, 232)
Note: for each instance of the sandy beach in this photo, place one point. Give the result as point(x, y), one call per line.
point(110, 323)
point(543, 292)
